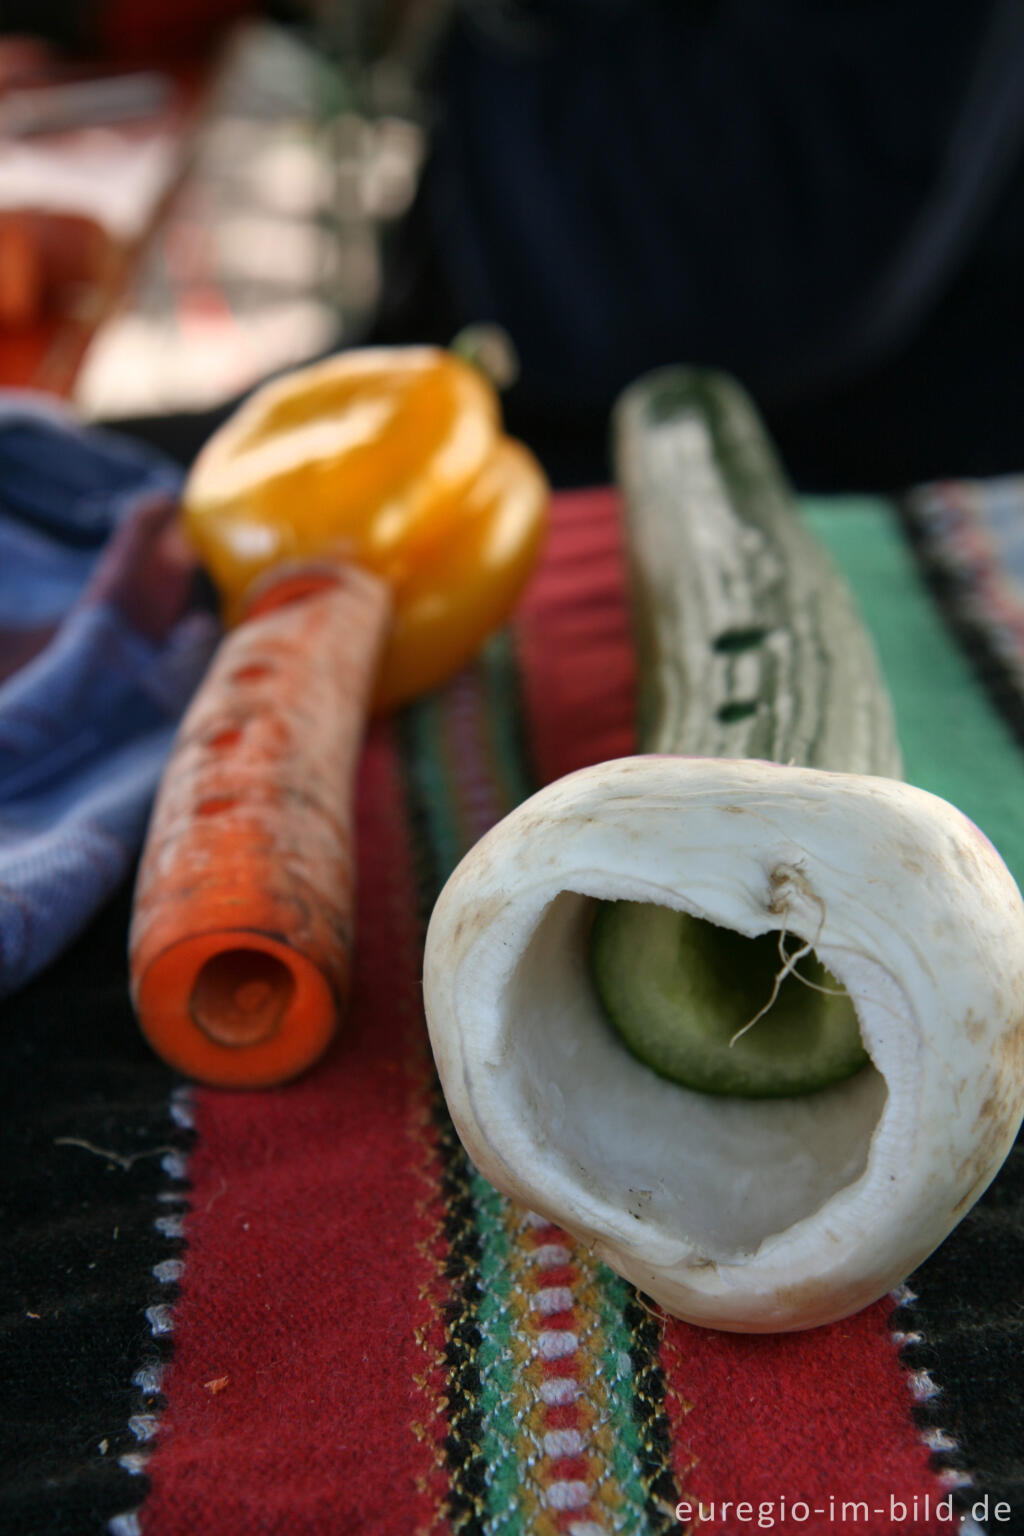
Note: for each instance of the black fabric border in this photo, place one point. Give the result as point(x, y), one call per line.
point(966, 1318)
point(76, 1268)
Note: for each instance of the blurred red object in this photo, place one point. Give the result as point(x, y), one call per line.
point(81, 190)
point(61, 270)
point(49, 264)
point(142, 30)
point(22, 58)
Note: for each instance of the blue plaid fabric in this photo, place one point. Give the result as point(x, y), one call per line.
point(86, 723)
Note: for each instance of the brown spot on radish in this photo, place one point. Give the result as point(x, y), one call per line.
point(703, 1261)
point(974, 1028)
point(991, 1109)
point(995, 1125)
point(783, 882)
point(1011, 1054)
point(978, 1170)
point(808, 1300)
point(967, 1200)
point(483, 915)
point(251, 673)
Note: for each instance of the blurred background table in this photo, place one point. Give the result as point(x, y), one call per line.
point(169, 237)
point(88, 165)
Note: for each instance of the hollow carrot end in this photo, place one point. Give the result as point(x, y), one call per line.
point(236, 1009)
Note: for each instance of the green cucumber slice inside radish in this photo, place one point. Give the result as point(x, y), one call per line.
point(679, 990)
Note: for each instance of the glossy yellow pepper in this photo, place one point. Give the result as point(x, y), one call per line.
point(395, 460)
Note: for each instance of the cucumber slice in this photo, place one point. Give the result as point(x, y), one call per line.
point(677, 989)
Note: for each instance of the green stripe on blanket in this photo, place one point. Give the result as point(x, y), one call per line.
point(954, 743)
point(519, 1458)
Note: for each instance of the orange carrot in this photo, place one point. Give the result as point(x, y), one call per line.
point(242, 929)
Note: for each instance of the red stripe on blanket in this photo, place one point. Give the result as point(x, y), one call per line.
point(797, 1417)
point(311, 1262)
point(821, 1418)
point(573, 641)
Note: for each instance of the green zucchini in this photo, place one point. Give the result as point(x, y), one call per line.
point(749, 645)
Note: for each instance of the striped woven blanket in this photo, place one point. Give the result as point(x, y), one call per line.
point(304, 1311)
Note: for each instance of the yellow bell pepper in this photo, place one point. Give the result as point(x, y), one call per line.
point(393, 459)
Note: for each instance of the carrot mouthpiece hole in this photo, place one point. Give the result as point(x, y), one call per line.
point(240, 996)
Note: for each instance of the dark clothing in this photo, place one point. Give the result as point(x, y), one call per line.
point(827, 201)
point(788, 191)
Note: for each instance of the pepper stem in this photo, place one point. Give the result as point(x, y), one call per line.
point(490, 349)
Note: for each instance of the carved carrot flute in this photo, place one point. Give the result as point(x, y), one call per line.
point(367, 524)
